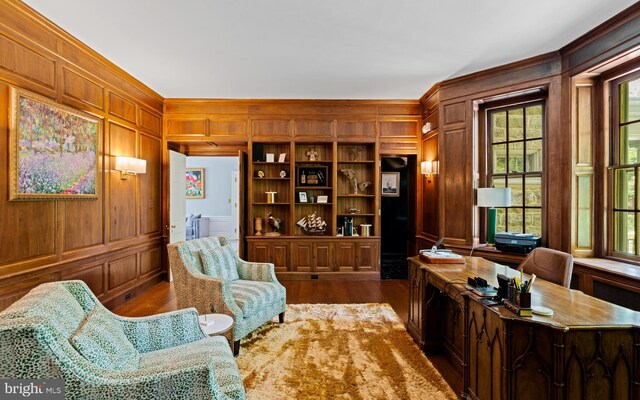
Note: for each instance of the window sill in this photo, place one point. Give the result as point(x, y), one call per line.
point(627, 270)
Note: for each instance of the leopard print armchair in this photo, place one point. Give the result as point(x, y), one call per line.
point(250, 293)
point(60, 330)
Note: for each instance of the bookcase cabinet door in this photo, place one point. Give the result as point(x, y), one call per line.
point(323, 257)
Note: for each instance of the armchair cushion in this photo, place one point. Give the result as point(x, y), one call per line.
point(253, 297)
point(191, 219)
point(214, 349)
point(101, 340)
point(219, 263)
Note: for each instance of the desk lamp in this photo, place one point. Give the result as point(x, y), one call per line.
point(493, 197)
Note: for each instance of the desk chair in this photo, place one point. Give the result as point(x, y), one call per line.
point(551, 265)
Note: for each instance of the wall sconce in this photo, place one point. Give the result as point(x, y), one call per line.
point(426, 127)
point(429, 168)
point(130, 166)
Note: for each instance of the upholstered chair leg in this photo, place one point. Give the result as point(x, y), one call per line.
point(236, 348)
point(281, 317)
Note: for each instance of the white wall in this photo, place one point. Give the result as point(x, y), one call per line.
point(218, 172)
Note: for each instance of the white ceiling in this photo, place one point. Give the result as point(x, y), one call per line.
point(318, 49)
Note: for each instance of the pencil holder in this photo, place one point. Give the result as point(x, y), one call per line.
point(523, 299)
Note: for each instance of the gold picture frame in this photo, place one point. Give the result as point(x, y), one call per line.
point(54, 149)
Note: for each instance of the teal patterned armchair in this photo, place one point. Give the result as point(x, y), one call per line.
point(61, 331)
point(209, 275)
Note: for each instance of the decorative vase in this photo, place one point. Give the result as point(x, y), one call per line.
point(257, 223)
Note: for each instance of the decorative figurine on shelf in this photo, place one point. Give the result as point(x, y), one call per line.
point(313, 224)
point(363, 186)
point(353, 177)
point(312, 154)
point(283, 174)
point(276, 226)
point(257, 223)
point(355, 152)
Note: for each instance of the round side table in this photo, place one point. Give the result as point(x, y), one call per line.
point(221, 324)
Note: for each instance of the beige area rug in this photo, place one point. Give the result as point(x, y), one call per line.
point(338, 351)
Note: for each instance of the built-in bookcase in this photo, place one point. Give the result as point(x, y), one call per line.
point(308, 178)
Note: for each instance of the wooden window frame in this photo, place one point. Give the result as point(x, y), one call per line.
point(485, 143)
point(631, 73)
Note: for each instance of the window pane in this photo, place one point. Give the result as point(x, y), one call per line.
point(624, 232)
point(516, 131)
point(629, 143)
point(501, 219)
point(498, 182)
point(533, 221)
point(499, 155)
point(515, 183)
point(514, 218)
point(625, 189)
point(584, 211)
point(532, 191)
point(516, 157)
point(534, 121)
point(630, 101)
point(534, 155)
point(499, 126)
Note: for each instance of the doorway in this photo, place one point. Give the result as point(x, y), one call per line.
point(217, 205)
point(398, 225)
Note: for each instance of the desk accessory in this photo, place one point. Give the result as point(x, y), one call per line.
point(480, 287)
point(518, 299)
point(441, 257)
point(539, 310)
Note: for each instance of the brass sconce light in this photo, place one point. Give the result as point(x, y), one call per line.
point(130, 166)
point(429, 168)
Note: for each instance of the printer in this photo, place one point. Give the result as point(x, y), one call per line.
point(521, 243)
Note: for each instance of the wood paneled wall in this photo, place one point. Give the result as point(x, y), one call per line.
point(451, 195)
point(113, 243)
point(394, 123)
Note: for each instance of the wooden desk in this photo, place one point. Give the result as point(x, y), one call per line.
point(588, 349)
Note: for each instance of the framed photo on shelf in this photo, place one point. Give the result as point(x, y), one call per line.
point(391, 184)
point(270, 157)
point(311, 176)
point(323, 199)
point(282, 157)
point(302, 196)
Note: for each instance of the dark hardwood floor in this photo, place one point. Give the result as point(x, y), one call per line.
point(161, 298)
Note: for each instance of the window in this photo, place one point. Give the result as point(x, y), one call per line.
point(515, 146)
point(626, 164)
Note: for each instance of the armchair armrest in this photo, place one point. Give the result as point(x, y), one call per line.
point(161, 331)
point(253, 271)
point(213, 292)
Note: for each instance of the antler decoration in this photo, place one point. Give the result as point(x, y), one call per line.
point(353, 177)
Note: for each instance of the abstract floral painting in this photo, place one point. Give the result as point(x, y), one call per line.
point(54, 149)
point(195, 183)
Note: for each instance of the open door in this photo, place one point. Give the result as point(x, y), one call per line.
point(243, 164)
point(177, 196)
